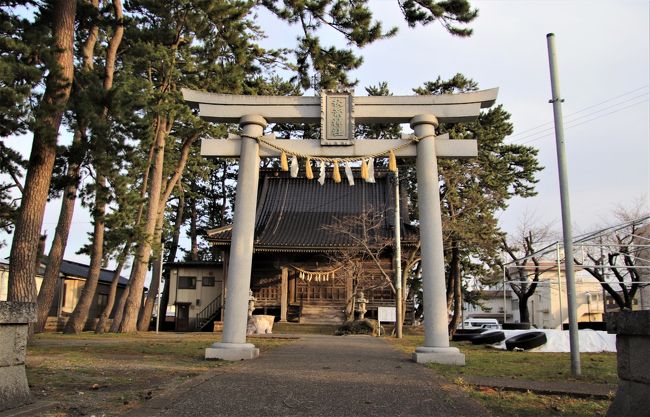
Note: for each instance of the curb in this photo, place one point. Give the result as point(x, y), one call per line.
point(29, 409)
point(572, 389)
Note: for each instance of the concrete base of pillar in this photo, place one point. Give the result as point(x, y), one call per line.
point(442, 355)
point(232, 351)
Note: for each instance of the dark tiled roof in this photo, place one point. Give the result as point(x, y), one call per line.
point(193, 263)
point(292, 212)
point(75, 269)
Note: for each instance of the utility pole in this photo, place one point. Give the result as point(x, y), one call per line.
point(566, 210)
point(399, 301)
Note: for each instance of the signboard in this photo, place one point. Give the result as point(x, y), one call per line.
point(337, 120)
point(386, 314)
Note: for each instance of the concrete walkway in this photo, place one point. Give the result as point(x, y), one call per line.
point(320, 376)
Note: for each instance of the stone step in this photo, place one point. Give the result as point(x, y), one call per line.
point(314, 314)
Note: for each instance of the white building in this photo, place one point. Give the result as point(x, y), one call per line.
point(548, 305)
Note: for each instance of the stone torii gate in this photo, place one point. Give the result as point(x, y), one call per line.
point(337, 112)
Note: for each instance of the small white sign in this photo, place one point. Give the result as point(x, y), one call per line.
point(386, 314)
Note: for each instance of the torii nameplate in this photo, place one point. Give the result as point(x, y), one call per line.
point(337, 118)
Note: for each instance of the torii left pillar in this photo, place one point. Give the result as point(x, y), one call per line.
point(233, 346)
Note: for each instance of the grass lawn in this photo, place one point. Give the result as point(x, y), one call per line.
point(482, 361)
point(109, 374)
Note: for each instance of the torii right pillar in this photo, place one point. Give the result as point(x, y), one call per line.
point(436, 338)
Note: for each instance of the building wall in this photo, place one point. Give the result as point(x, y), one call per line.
point(66, 296)
point(200, 296)
point(4, 280)
point(547, 306)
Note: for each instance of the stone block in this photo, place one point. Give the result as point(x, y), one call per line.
point(631, 400)
point(13, 344)
point(632, 330)
point(260, 324)
point(633, 364)
point(442, 358)
point(14, 312)
point(14, 390)
point(231, 354)
point(442, 355)
point(633, 323)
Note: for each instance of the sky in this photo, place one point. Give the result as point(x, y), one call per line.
point(603, 58)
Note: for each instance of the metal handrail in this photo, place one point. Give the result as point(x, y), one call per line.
point(205, 315)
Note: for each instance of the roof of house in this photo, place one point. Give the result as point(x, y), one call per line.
point(206, 264)
point(75, 269)
point(293, 213)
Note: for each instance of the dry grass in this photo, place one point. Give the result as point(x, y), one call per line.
point(486, 362)
point(110, 374)
point(483, 361)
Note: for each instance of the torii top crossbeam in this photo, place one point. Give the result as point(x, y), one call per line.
point(448, 108)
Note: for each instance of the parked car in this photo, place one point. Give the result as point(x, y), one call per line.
point(473, 323)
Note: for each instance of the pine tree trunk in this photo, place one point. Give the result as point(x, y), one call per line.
point(456, 277)
point(60, 241)
point(119, 310)
point(80, 314)
point(178, 223)
point(106, 313)
point(147, 310)
point(145, 314)
point(194, 248)
point(173, 250)
point(22, 268)
point(143, 252)
point(51, 276)
point(77, 320)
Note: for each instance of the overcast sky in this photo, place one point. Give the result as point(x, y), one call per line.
point(603, 55)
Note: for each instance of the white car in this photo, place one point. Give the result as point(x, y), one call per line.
point(480, 324)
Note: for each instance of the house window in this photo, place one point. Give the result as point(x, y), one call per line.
point(208, 281)
point(186, 283)
point(102, 299)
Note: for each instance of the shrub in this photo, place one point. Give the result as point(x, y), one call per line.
point(365, 326)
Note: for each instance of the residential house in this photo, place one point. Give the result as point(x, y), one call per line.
point(547, 306)
point(72, 277)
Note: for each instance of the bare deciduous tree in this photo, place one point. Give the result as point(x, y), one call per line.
point(615, 253)
point(524, 269)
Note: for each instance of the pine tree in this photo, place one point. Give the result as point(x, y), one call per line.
point(20, 70)
point(47, 120)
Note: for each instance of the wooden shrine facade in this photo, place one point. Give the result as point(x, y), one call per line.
point(296, 270)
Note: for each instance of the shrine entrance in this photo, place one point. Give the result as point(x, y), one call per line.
point(337, 112)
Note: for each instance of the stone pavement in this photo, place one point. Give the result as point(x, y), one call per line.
point(320, 376)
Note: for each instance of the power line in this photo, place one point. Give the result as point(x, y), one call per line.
point(577, 124)
point(583, 116)
point(586, 108)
